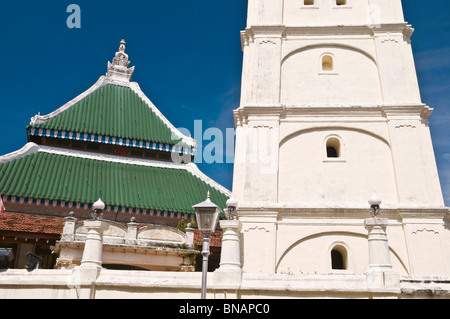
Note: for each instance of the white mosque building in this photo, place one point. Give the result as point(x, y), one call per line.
point(335, 175)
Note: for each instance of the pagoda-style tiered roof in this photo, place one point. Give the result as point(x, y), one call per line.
point(110, 142)
point(113, 111)
point(41, 173)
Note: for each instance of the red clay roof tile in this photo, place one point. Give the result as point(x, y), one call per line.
point(31, 223)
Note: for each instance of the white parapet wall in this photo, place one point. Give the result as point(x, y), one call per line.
point(121, 284)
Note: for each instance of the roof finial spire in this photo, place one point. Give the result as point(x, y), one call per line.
point(122, 46)
point(118, 70)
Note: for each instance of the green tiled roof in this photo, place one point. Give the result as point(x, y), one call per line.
point(115, 111)
point(45, 175)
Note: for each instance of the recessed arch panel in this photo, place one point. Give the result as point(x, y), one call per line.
point(331, 130)
point(311, 254)
point(325, 47)
point(307, 175)
point(330, 75)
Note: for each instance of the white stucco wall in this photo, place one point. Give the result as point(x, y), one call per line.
point(294, 201)
point(307, 175)
point(308, 84)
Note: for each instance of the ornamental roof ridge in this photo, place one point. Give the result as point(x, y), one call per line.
point(39, 119)
point(193, 168)
point(28, 149)
point(188, 140)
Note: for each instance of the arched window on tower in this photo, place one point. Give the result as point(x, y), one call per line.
point(333, 148)
point(308, 2)
point(327, 63)
point(339, 258)
point(341, 2)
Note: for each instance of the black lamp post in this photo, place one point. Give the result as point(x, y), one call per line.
point(207, 216)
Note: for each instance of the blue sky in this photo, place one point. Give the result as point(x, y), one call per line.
point(188, 62)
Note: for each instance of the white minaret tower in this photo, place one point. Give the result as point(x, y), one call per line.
point(331, 113)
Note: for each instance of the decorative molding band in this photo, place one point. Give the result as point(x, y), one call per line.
point(266, 30)
point(317, 209)
point(77, 136)
point(284, 111)
point(88, 206)
point(282, 31)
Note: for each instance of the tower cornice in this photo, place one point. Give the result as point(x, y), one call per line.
point(413, 110)
point(255, 31)
point(265, 30)
point(283, 112)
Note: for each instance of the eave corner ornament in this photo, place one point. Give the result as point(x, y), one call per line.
point(37, 119)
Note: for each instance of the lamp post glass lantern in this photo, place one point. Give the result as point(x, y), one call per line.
point(207, 214)
point(375, 203)
point(232, 204)
point(98, 206)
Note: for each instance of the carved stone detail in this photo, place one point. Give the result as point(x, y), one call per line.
point(267, 42)
point(119, 69)
point(405, 126)
point(256, 228)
